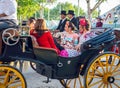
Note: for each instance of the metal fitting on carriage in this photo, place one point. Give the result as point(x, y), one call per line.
point(60, 64)
point(89, 45)
point(23, 45)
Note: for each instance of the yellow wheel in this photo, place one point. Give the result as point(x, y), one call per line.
point(73, 83)
point(11, 78)
point(104, 71)
point(0, 62)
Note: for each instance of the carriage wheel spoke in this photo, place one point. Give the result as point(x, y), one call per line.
point(107, 85)
point(72, 83)
point(110, 85)
point(116, 73)
point(7, 76)
point(94, 76)
point(117, 78)
point(15, 86)
point(75, 83)
point(106, 63)
point(96, 70)
point(1, 79)
point(116, 68)
point(101, 65)
point(80, 82)
point(116, 85)
point(95, 83)
point(104, 86)
point(12, 80)
point(69, 82)
point(112, 64)
point(100, 86)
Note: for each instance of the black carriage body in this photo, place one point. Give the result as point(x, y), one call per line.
point(47, 61)
point(61, 67)
point(15, 52)
point(68, 68)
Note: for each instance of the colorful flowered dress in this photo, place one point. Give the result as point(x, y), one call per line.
point(86, 36)
point(69, 41)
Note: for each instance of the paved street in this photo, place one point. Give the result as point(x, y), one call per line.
point(34, 80)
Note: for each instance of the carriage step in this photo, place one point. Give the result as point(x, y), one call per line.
point(47, 81)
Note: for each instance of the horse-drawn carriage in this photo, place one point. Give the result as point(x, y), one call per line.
point(99, 68)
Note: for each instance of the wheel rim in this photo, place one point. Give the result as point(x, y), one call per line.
point(33, 65)
point(11, 78)
point(106, 69)
point(73, 83)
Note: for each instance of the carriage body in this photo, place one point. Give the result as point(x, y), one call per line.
point(49, 64)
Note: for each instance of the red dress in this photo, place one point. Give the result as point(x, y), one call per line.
point(45, 40)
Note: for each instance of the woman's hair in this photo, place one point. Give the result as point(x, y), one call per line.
point(87, 25)
point(71, 25)
point(40, 26)
point(31, 20)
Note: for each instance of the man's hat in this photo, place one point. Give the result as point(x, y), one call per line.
point(99, 18)
point(71, 12)
point(63, 12)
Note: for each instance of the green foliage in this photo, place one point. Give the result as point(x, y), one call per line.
point(27, 8)
point(64, 6)
point(46, 12)
point(46, 1)
point(82, 13)
point(95, 14)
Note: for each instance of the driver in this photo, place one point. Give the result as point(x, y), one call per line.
point(8, 14)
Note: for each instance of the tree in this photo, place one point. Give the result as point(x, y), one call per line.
point(81, 11)
point(43, 4)
point(95, 14)
point(64, 6)
point(27, 8)
point(90, 10)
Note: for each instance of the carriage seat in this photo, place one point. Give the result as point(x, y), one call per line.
point(46, 55)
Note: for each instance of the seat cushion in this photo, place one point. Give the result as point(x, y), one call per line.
point(46, 55)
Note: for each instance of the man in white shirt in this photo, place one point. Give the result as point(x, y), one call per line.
point(8, 14)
